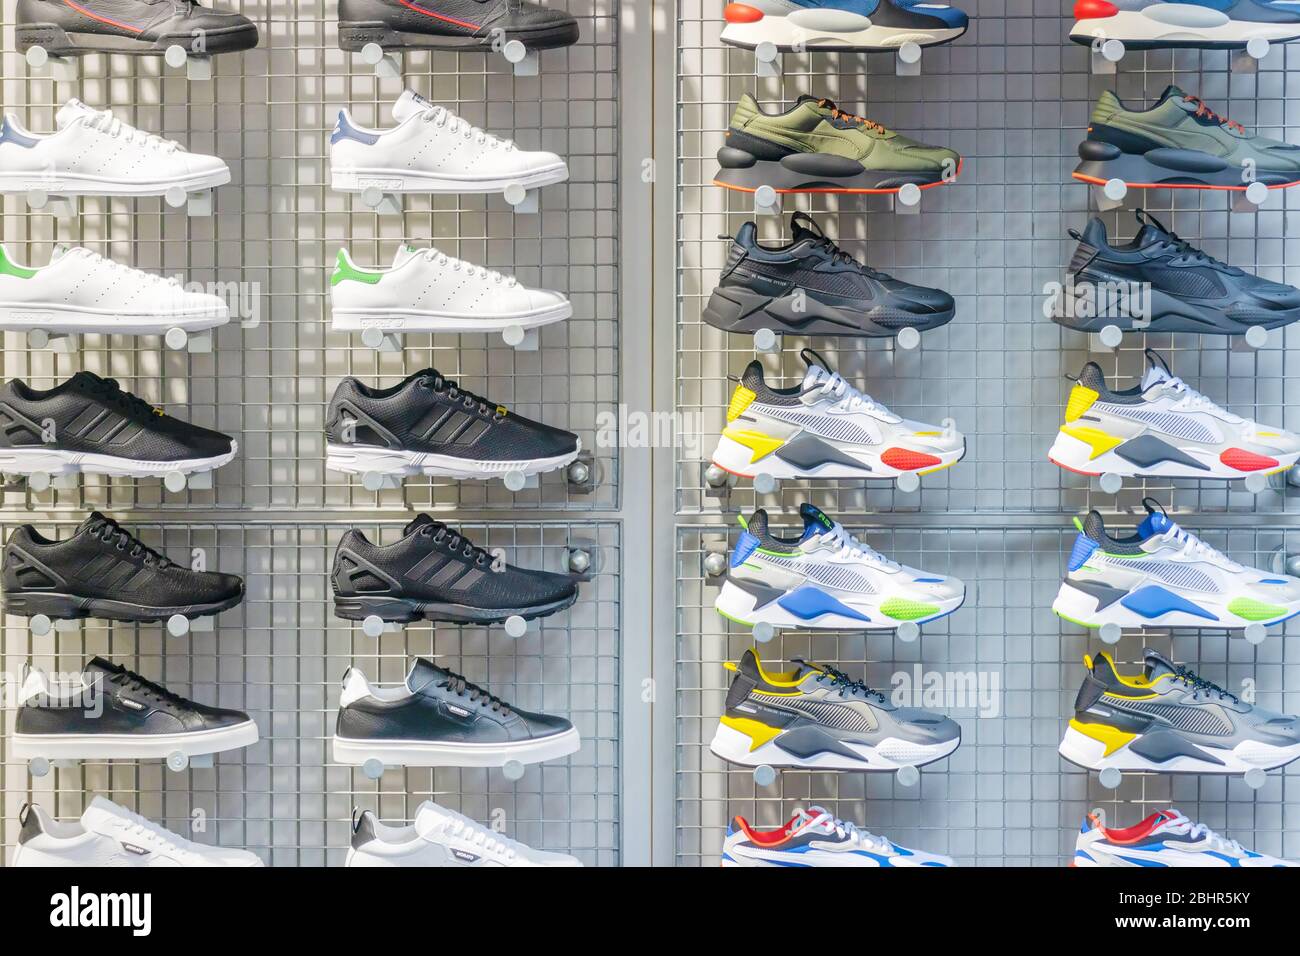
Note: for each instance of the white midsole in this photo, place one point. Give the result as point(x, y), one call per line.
point(889, 754)
point(132, 746)
point(1083, 750)
point(360, 459)
point(80, 184)
point(733, 457)
point(1139, 25)
point(359, 179)
point(739, 605)
point(1071, 453)
point(1080, 606)
point(24, 317)
point(420, 753)
point(790, 31)
point(411, 320)
point(54, 461)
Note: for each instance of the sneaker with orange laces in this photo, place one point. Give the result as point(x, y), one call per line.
point(1180, 143)
point(814, 147)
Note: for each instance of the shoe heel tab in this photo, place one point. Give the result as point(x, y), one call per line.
point(36, 684)
point(1083, 548)
point(746, 545)
point(355, 687)
point(32, 822)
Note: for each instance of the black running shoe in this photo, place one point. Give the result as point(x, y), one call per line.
point(115, 713)
point(89, 425)
point(435, 574)
point(810, 286)
point(141, 27)
point(427, 424)
point(1161, 283)
point(439, 719)
point(452, 24)
point(104, 571)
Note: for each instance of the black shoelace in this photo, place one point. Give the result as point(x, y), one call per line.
point(455, 542)
point(828, 245)
point(110, 532)
point(461, 687)
point(1199, 684)
point(1179, 246)
point(131, 681)
point(110, 392)
point(435, 381)
point(847, 685)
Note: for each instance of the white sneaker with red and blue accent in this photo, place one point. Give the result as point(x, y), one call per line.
point(1167, 838)
point(815, 837)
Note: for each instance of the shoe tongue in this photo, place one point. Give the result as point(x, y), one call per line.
point(72, 110)
point(814, 377)
point(418, 522)
point(98, 665)
point(91, 519)
point(803, 668)
point(1156, 664)
point(822, 816)
point(422, 674)
point(404, 252)
point(815, 521)
point(100, 810)
point(60, 250)
point(1155, 374)
point(1173, 92)
point(410, 103)
point(816, 100)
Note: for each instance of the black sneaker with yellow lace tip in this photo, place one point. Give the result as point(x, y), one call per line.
point(816, 147)
point(90, 425)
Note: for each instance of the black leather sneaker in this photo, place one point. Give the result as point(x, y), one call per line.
point(438, 718)
point(142, 27)
point(434, 573)
point(104, 571)
point(112, 712)
point(453, 24)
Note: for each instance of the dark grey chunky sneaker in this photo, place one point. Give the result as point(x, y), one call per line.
point(453, 24)
point(142, 27)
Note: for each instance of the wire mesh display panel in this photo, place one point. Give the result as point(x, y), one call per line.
point(280, 656)
point(1007, 670)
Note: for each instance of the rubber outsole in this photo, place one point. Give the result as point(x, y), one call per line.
point(59, 184)
point(28, 461)
point(355, 34)
point(429, 753)
point(133, 746)
point(735, 309)
point(70, 607)
point(771, 29)
point(362, 459)
point(359, 179)
point(407, 610)
point(59, 42)
point(742, 172)
point(1172, 169)
point(346, 320)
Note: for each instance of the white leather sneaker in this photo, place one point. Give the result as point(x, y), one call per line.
point(432, 150)
point(109, 835)
point(441, 837)
point(82, 291)
point(94, 153)
point(429, 291)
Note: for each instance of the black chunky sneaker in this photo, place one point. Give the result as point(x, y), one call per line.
point(112, 712)
point(427, 424)
point(142, 27)
point(438, 718)
point(104, 571)
point(452, 24)
point(810, 286)
point(90, 425)
point(435, 574)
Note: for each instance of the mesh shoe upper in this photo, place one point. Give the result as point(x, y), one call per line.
point(429, 413)
point(92, 414)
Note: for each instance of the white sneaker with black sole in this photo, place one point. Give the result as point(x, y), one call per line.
point(432, 150)
point(94, 153)
point(108, 835)
point(82, 291)
point(429, 291)
point(439, 719)
point(440, 837)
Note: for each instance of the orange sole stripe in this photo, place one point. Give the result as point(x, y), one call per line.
point(1094, 181)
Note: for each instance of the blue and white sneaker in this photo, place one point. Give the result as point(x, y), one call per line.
point(1167, 838)
point(849, 25)
point(1203, 24)
point(826, 579)
point(1164, 576)
point(814, 837)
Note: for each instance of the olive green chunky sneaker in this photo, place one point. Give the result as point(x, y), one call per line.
point(814, 147)
point(1180, 143)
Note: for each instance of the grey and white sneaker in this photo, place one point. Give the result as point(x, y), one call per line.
point(1168, 719)
point(818, 718)
point(440, 837)
point(112, 836)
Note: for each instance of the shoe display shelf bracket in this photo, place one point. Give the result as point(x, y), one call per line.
point(67, 69)
point(1110, 338)
point(175, 761)
point(1106, 54)
point(1111, 778)
point(1111, 195)
point(522, 61)
point(515, 336)
point(718, 482)
point(768, 341)
point(374, 767)
point(765, 775)
point(1254, 633)
point(197, 203)
point(905, 202)
point(41, 482)
point(767, 60)
point(520, 198)
point(176, 339)
point(1111, 483)
point(178, 625)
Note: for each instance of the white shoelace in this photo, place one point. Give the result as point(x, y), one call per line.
point(833, 386)
point(1190, 400)
point(444, 118)
point(1191, 546)
point(1183, 824)
point(819, 817)
point(492, 843)
point(137, 827)
point(460, 265)
point(106, 122)
point(845, 544)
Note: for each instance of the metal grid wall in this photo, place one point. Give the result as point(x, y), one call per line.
point(277, 228)
point(1013, 97)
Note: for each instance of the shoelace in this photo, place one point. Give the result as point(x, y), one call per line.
point(1176, 243)
point(460, 265)
point(456, 542)
point(847, 545)
point(488, 841)
point(840, 114)
point(833, 385)
point(131, 681)
point(106, 122)
point(110, 532)
point(1200, 685)
point(110, 392)
point(1189, 398)
point(149, 832)
point(1181, 823)
point(1203, 110)
point(444, 118)
point(847, 685)
point(461, 687)
point(1190, 546)
point(437, 382)
point(820, 817)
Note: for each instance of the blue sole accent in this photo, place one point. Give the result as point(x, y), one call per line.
point(1152, 601)
point(807, 603)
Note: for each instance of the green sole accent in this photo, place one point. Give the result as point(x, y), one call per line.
point(1066, 617)
point(735, 620)
point(1253, 610)
point(901, 609)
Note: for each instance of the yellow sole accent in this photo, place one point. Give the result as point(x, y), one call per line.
point(1099, 441)
point(757, 733)
point(760, 443)
point(1112, 739)
point(1081, 399)
point(929, 434)
point(740, 400)
point(931, 471)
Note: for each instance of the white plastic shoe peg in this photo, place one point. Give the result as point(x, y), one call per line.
point(1249, 199)
point(764, 775)
point(40, 624)
point(907, 776)
point(373, 768)
point(1110, 195)
point(381, 341)
point(907, 201)
point(766, 340)
point(1247, 60)
point(373, 625)
point(197, 203)
point(42, 481)
point(65, 342)
point(907, 339)
point(525, 62)
point(38, 767)
point(763, 632)
point(767, 201)
point(1110, 633)
point(512, 770)
point(908, 482)
point(908, 631)
point(1107, 340)
point(767, 59)
point(175, 481)
point(64, 69)
point(1255, 483)
point(385, 204)
point(1106, 54)
point(1110, 482)
point(1255, 778)
point(1255, 633)
point(521, 199)
point(385, 64)
point(764, 484)
point(908, 61)
point(715, 477)
point(379, 481)
point(515, 626)
point(177, 761)
point(196, 67)
point(178, 339)
point(178, 625)
point(1110, 778)
point(1256, 337)
point(60, 207)
point(521, 340)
